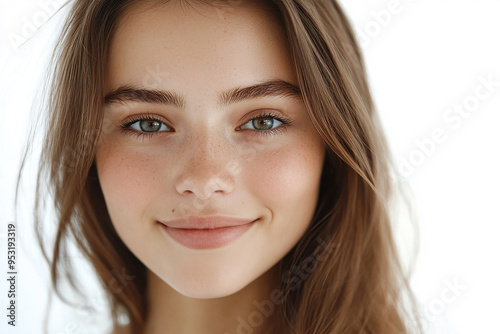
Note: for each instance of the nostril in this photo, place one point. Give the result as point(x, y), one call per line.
point(215, 185)
point(204, 185)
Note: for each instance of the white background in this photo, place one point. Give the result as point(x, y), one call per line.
point(424, 58)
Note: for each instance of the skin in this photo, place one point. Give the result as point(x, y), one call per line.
point(210, 160)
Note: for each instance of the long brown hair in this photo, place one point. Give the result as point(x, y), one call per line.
point(346, 277)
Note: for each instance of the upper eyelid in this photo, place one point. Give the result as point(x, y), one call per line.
point(143, 117)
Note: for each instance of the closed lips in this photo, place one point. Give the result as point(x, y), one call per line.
point(206, 222)
point(206, 232)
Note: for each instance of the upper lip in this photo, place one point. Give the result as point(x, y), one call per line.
point(206, 222)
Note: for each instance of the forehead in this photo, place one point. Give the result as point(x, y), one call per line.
point(184, 46)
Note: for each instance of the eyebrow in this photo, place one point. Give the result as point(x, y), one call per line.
point(130, 93)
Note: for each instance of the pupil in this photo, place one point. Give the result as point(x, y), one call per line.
point(150, 126)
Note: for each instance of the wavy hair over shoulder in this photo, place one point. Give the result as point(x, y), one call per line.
point(357, 287)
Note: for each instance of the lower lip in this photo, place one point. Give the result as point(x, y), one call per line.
point(207, 239)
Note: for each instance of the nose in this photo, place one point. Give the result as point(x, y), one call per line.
point(205, 167)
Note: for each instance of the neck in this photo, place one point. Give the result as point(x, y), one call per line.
point(241, 312)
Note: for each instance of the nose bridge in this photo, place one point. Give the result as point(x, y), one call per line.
point(207, 160)
point(207, 150)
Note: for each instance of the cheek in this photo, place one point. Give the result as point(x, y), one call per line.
point(287, 180)
point(127, 181)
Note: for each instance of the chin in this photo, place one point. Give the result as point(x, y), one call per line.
point(207, 288)
point(208, 291)
point(209, 294)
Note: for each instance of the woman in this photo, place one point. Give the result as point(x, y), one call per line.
point(223, 159)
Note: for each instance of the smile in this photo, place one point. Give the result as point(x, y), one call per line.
point(196, 238)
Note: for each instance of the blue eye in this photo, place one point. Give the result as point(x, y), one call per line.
point(266, 124)
point(262, 123)
point(145, 126)
point(148, 125)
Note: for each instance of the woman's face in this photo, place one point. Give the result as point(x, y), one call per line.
point(202, 119)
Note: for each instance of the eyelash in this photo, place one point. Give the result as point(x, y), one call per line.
point(148, 117)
